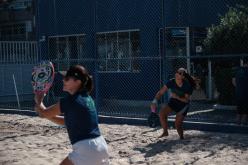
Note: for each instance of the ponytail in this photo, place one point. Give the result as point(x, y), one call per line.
point(89, 84)
point(187, 77)
point(190, 79)
point(84, 76)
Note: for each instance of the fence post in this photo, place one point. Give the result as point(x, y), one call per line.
point(17, 97)
point(96, 76)
point(209, 79)
point(188, 49)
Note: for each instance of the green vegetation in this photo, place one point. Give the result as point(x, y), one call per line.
point(229, 37)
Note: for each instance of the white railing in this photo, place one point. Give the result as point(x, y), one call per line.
point(18, 52)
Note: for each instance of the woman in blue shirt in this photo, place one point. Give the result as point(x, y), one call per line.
point(181, 88)
point(79, 117)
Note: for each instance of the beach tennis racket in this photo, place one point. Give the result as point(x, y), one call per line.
point(153, 119)
point(42, 77)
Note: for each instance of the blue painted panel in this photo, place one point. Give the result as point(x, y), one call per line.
point(127, 86)
point(22, 75)
point(130, 14)
point(65, 17)
point(81, 16)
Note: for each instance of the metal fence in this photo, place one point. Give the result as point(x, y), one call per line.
point(16, 62)
point(130, 47)
point(129, 94)
point(18, 52)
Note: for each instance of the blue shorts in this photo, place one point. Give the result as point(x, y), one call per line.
point(178, 106)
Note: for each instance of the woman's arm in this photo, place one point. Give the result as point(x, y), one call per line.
point(161, 92)
point(57, 120)
point(158, 96)
point(183, 99)
point(51, 113)
point(48, 112)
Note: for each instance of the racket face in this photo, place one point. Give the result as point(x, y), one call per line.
point(42, 77)
point(153, 120)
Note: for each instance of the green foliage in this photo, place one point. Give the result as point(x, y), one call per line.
point(231, 35)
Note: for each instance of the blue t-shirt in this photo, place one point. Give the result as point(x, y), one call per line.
point(186, 88)
point(80, 116)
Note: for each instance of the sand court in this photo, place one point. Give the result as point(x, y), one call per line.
point(28, 140)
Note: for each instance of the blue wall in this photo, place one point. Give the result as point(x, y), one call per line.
point(64, 18)
point(89, 17)
point(22, 75)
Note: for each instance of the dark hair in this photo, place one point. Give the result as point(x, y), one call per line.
point(89, 85)
point(189, 78)
point(80, 73)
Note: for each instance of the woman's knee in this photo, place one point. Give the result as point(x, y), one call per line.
point(179, 121)
point(178, 124)
point(164, 112)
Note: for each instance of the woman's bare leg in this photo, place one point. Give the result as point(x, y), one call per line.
point(163, 115)
point(66, 161)
point(179, 125)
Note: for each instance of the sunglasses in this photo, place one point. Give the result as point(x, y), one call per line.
point(180, 73)
point(68, 78)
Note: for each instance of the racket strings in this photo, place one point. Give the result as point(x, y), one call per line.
point(42, 77)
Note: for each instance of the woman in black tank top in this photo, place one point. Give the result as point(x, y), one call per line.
point(181, 88)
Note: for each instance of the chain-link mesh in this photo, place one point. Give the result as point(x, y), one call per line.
point(130, 47)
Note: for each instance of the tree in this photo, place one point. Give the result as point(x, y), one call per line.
point(231, 35)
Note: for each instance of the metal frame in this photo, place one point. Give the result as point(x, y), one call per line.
point(18, 52)
point(118, 59)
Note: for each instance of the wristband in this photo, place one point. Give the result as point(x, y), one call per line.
point(155, 101)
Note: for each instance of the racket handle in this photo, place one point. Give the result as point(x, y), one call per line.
point(39, 98)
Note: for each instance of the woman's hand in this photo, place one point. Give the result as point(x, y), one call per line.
point(39, 106)
point(183, 99)
point(173, 95)
point(38, 98)
point(38, 109)
point(153, 106)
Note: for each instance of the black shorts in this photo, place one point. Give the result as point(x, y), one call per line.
point(178, 106)
point(242, 109)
